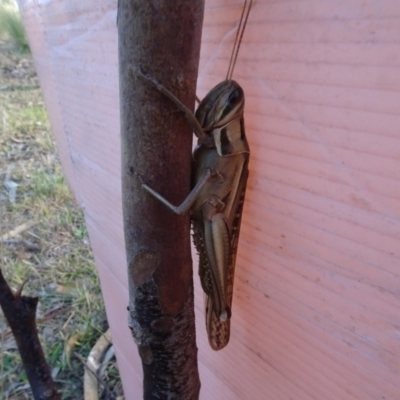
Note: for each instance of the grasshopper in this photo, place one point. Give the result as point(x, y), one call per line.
point(219, 177)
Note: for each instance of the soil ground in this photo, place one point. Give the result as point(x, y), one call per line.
point(52, 250)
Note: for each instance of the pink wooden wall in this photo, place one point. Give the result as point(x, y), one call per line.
point(317, 294)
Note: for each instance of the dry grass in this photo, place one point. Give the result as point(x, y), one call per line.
point(54, 253)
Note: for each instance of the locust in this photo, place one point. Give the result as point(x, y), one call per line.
point(219, 178)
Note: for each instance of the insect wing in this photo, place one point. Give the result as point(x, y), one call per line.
point(219, 331)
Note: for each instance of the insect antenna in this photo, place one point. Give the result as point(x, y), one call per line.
point(239, 35)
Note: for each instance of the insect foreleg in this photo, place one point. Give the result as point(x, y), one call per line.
point(198, 130)
point(190, 199)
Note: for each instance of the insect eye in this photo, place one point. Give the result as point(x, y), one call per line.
point(233, 97)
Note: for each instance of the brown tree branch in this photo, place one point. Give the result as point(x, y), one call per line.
point(162, 40)
point(20, 313)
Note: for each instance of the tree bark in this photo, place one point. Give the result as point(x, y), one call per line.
point(161, 39)
point(20, 313)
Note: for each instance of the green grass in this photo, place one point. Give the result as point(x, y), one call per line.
point(11, 27)
point(48, 184)
point(62, 273)
point(28, 120)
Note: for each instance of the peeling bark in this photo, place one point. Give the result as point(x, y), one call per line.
point(161, 39)
point(20, 313)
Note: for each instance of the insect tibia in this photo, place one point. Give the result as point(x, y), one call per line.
point(197, 128)
point(190, 199)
